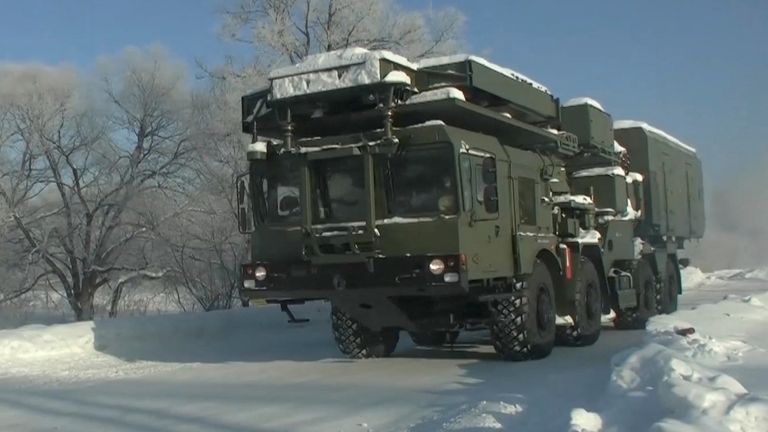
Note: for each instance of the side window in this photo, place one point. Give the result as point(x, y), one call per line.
point(466, 182)
point(526, 196)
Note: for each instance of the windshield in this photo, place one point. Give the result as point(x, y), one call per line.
point(422, 181)
point(339, 185)
point(280, 188)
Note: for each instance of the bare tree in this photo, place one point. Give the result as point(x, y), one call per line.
point(82, 164)
point(294, 29)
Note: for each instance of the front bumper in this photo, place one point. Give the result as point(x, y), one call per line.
point(383, 277)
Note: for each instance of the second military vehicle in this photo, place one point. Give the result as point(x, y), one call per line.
point(453, 194)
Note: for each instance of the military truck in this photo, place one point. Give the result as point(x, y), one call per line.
point(452, 194)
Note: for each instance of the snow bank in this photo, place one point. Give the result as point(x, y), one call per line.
point(135, 345)
point(483, 415)
point(676, 382)
point(439, 61)
point(628, 124)
point(584, 101)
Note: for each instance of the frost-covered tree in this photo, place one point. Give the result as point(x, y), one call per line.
point(281, 30)
point(82, 163)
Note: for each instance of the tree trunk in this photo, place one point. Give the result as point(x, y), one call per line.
point(117, 295)
point(84, 310)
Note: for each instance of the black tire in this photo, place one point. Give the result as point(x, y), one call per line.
point(429, 339)
point(587, 310)
point(645, 284)
point(523, 327)
point(666, 293)
point(358, 342)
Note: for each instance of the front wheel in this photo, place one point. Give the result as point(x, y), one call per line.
point(357, 341)
point(523, 327)
point(587, 310)
point(645, 288)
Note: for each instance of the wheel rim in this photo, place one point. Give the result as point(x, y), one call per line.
point(543, 310)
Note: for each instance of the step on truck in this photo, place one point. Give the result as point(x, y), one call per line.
point(452, 194)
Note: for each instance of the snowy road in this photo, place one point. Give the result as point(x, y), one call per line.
point(248, 370)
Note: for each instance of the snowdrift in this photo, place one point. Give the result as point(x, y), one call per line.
point(678, 383)
point(136, 345)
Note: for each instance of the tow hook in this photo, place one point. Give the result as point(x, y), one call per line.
point(291, 317)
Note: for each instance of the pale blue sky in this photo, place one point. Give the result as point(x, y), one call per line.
point(696, 68)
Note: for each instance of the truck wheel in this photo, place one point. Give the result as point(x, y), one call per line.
point(645, 285)
point(588, 310)
point(523, 328)
point(666, 294)
point(358, 342)
point(429, 339)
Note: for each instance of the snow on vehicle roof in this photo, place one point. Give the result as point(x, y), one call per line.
point(339, 58)
point(397, 76)
point(618, 148)
point(579, 199)
point(634, 177)
point(628, 124)
point(584, 101)
point(439, 61)
point(600, 171)
point(437, 94)
point(335, 70)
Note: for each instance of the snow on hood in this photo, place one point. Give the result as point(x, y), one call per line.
point(628, 124)
point(584, 101)
point(439, 61)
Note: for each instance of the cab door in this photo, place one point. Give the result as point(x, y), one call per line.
point(486, 237)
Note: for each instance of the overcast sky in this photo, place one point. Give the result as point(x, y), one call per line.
point(696, 68)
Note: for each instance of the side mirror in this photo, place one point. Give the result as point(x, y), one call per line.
point(489, 171)
point(244, 217)
point(491, 199)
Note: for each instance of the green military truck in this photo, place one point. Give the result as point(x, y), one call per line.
point(453, 194)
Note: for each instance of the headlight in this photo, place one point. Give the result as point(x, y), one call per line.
point(260, 273)
point(436, 266)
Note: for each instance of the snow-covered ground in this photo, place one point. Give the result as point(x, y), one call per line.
point(249, 370)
